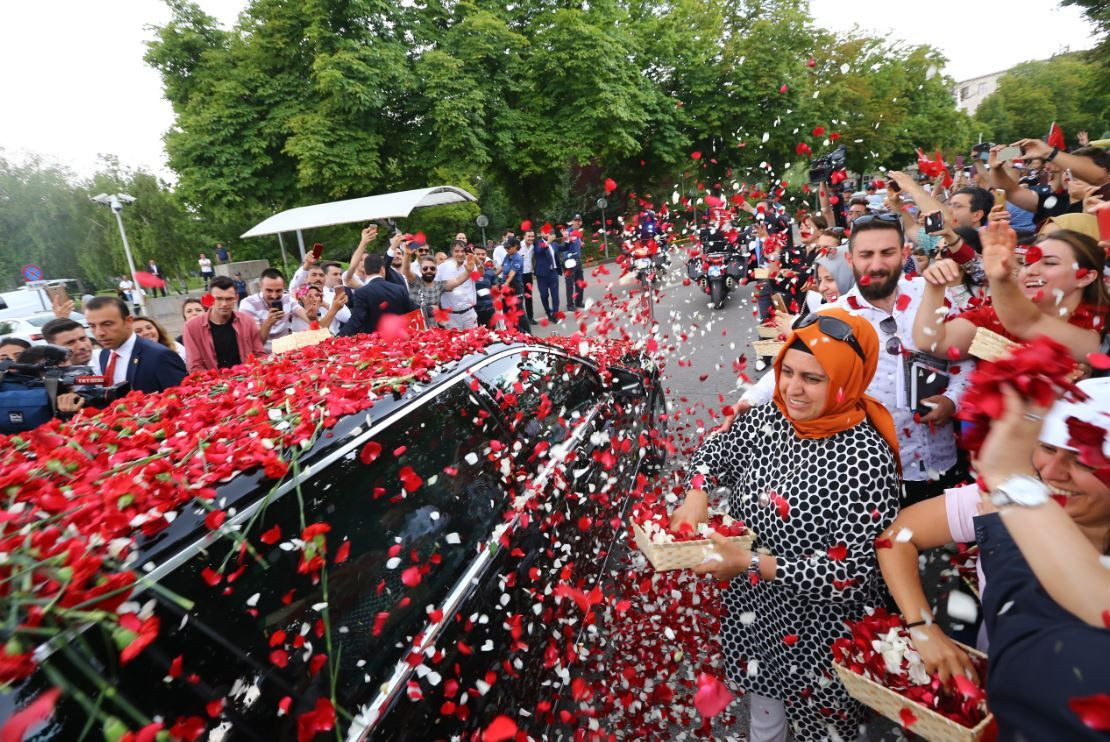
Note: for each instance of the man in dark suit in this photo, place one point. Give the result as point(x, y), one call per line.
point(149, 366)
point(545, 266)
point(377, 296)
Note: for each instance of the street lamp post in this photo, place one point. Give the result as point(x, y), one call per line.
point(483, 222)
point(116, 202)
point(601, 204)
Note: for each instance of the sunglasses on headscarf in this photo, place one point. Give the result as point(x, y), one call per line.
point(835, 328)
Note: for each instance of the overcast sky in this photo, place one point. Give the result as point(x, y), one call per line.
point(74, 84)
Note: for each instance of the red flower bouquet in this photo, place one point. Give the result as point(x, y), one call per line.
point(880, 667)
point(1038, 371)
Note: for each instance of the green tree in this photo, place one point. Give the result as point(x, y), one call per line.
point(1065, 89)
point(46, 218)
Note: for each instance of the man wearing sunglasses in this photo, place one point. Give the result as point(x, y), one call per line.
point(889, 301)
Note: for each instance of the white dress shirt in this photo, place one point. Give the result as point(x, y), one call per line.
point(463, 296)
point(926, 453)
point(119, 373)
point(256, 306)
point(499, 254)
point(526, 254)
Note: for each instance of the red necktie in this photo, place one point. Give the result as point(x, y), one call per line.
point(110, 369)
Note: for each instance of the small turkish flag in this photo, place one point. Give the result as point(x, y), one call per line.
point(1056, 136)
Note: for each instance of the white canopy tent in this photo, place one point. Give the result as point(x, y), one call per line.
point(384, 206)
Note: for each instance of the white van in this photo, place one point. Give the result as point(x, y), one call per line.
point(34, 298)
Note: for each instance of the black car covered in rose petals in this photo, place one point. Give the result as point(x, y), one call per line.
point(422, 571)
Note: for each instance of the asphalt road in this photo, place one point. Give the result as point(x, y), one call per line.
point(701, 345)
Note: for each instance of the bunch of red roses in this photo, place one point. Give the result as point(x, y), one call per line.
point(1038, 371)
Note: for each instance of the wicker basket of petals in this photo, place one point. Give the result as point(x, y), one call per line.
point(667, 551)
point(767, 348)
point(864, 665)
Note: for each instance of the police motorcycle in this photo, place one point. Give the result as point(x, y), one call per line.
point(646, 250)
point(720, 266)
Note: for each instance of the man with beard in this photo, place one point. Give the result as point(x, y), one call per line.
point(889, 301)
point(427, 291)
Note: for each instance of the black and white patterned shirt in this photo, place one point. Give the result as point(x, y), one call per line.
point(802, 498)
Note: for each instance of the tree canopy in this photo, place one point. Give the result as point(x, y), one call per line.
point(531, 104)
point(46, 219)
point(1067, 89)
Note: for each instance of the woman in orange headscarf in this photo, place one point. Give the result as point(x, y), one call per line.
point(815, 477)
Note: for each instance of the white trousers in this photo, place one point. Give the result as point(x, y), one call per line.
point(768, 723)
point(465, 321)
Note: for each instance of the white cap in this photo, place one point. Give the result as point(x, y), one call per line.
point(1095, 411)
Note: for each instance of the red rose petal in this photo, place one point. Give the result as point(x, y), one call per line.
point(500, 729)
point(411, 576)
point(712, 696)
point(838, 553)
point(370, 452)
point(907, 717)
point(271, 536)
point(1100, 361)
point(1093, 711)
point(38, 711)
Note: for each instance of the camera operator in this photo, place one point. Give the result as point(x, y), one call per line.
point(67, 403)
point(70, 334)
point(149, 367)
point(42, 383)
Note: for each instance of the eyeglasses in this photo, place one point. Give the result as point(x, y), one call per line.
point(835, 328)
point(893, 343)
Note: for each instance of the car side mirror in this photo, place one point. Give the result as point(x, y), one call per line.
point(626, 383)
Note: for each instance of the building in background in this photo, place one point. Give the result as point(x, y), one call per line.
point(970, 93)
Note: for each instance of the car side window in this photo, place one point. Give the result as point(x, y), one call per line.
point(541, 393)
point(405, 515)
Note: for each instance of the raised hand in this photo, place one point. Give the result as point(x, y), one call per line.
point(999, 241)
point(942, 272)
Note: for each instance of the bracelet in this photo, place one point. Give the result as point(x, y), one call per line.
point(1052, 155)
point(917, 623)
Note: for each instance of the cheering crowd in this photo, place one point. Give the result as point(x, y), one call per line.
point(493, 286)
point(843, 460)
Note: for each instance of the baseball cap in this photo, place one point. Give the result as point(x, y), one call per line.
point(1095, 411)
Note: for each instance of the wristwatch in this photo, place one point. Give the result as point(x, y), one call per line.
point(1052, 155)
point(1022, 490)
point(753, 567)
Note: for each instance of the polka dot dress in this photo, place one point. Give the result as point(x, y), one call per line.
point(816, 505)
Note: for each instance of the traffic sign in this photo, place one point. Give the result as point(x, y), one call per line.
point(32, 272)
